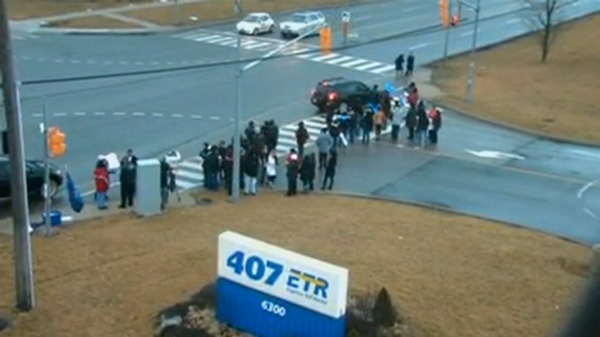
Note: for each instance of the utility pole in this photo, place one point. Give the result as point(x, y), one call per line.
point(18, 182)
point(237, 134)
point(471, 79)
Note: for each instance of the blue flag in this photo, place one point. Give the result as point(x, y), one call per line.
point(75, 198)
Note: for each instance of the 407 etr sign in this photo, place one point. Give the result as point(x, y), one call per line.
point(272, 292)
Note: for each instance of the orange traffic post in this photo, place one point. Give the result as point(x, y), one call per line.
point(326, 42)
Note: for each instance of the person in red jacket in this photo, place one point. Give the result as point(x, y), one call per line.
point(102, 180)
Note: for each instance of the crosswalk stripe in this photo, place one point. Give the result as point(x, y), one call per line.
point(368, 66)
point(260, 44)
point(284, 132)
point(191, 175)
point(325, 57)
point(383, 69)
point(185, 185)
point(315, 124)
point(353, 63)
point(205, 38)
point(340, 60)
point(291, 142)
point(307, 56)
point(219, 39)
point(189, 165)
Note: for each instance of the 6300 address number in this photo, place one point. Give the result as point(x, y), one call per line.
point(273, 308)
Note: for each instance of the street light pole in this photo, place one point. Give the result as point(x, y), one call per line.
point(471, 80)
point(18, 182)
point(447, 38)
point(237, 133)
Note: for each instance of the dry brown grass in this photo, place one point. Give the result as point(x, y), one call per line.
point(453, 275)
point(559, 97)
point(27, 9)
point(94, 22)
point(218, 10)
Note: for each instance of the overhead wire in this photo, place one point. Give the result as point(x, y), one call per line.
point(417, 32)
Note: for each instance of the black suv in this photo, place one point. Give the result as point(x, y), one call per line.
point(339, 94)
point(35, 178)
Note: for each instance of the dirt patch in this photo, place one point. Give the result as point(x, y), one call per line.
point(93, 22)
point(218, 10)
point(452, 275)
point(559, 97)
point(28, 9)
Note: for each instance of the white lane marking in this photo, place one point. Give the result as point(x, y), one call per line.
point(587, 186)
point(79, 114)
point(99, 113)
point(469, 33)
point(196, 116)
point(176, 115)
point(511, 21)
point(157, 114)
point(119, 114)
point(494, 154)
point(60, 114)
point(91, 62)
point(361, 18)
point(214, 118)
point(586, 153)
point(590, 213)
point(260, 44)
point(206, 38)
point(139, 114)
point(419, 46)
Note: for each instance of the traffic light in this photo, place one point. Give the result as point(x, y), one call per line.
point(445, 13)
point(57, 142)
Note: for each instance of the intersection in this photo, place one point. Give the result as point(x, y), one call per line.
point(155, 113)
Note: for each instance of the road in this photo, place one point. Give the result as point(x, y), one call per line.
point(155, 113)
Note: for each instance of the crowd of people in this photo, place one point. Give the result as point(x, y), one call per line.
point(259, 164)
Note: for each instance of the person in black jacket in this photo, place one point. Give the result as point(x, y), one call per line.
point(251, 165)
point(366, 125)
point(211, 166)
point(128, 177)
point(399, 66)
point(307, 172)
point(422, 123)
point(293, 166)
point(410, 121)
point(330, 171)
point(410, 64)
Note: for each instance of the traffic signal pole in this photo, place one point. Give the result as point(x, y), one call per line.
point(471, 79)
point(447, 38)
point(18, 182)
point(47, 197)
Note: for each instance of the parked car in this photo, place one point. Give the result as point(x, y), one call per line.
point(35, 178)
point(340, 93)
point(255, 24)
point(301, 23)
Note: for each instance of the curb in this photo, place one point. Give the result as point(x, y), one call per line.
point(99, 31)
point(450, 211)
point(516, 128)
point(285, 12)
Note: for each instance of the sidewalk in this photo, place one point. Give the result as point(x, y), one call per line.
point(90, 211)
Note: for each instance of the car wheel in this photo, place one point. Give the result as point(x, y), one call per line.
point(255, 32)
point(53, 191)
point(271, 29)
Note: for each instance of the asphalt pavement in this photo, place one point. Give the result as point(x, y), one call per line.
point(477, 168)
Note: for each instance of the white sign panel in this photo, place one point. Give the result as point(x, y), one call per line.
point(307, 282)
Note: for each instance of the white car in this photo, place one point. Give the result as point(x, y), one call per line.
point(256, 23)
point(302, 23)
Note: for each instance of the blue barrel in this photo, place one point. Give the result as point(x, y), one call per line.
point(55, 218)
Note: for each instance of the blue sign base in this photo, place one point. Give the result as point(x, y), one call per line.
point(263, 315)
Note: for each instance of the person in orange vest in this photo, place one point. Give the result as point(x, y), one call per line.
point(379, 120)
point(455, 20)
